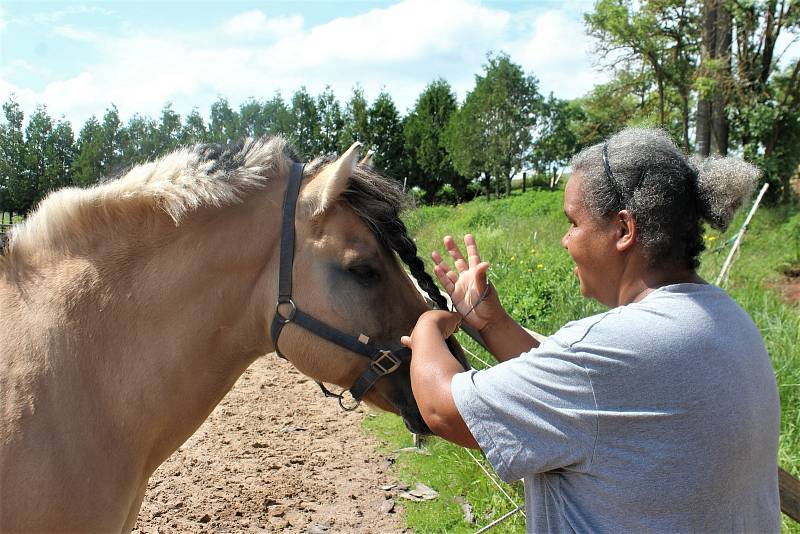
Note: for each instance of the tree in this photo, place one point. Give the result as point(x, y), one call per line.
point(428, 163)
point(556, 141)
point(12, 159)
point(713, 80)
point(89, 161)
point(140, 142)
point(277, 117)
point(113, 137)
point(657, 39)
point(193, 130)
point(37, 137)
point(305, 124)
point(463, 138)
point(61, 157)
point(331, 122)
point(224, 125)
point(501, 111)
point(765, 101)
point(386, 135)
point(168, 131)
point(604, 111)
point(356, 120)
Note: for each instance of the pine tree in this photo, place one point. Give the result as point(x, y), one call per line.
point(12, 159)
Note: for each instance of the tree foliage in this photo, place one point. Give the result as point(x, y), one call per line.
point(429, 165)
point(499, 115)
point(386, 135)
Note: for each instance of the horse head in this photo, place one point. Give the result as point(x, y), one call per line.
point(348, 238)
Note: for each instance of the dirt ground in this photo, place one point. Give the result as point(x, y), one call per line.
point(275, 456)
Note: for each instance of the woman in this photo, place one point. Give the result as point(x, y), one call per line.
point(661, 414)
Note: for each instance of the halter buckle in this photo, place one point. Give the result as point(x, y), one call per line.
point(380, 363)
point(283, 319)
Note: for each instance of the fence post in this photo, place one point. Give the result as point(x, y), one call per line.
point(524, 175)
point(789, 488)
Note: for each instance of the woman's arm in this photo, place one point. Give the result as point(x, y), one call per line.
point(432, 370)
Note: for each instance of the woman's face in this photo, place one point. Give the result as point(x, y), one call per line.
point(591, 242)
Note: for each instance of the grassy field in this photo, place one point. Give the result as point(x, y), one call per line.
point(521, 237)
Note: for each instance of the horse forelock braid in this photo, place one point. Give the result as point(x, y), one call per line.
point(405, 247)
point(378, 200)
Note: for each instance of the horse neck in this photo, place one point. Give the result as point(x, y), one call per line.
point(175, 317)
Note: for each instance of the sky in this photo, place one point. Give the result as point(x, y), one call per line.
point(78, 58)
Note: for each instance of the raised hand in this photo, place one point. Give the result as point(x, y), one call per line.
point(467, 285)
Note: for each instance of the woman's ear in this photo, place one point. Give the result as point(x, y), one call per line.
point(627, 231)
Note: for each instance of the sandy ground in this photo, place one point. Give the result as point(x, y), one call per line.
point(275, 456)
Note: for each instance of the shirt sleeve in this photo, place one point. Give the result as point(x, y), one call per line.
point(531, 414)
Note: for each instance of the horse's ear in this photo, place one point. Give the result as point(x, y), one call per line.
point(325, 187)
point(369, 159)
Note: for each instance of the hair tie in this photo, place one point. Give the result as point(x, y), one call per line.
point(610, 174)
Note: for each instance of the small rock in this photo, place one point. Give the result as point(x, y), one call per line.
point(296, 519)
point(259, 445)
point(317, 529)
point(469, 517)
point(267, 503)
point(387, 506)
point(205, 519)
point(277, 511)
point(279, 523)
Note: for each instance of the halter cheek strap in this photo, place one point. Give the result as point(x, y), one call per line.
point(382, 361)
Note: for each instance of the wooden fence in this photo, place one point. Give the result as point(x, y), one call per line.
point(790, 494)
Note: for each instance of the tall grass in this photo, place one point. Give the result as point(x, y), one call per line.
point(521, 236)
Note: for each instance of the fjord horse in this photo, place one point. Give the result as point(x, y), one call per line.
point(129, 309)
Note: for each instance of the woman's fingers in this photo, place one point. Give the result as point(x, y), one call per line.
point(446, 277)
point(459, 262)
point(472, 250)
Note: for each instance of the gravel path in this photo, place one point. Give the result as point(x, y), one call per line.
point(274, 456)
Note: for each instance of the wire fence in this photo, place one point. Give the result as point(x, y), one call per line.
point(517, 507)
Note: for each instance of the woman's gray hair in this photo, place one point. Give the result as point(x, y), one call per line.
point(668, 194)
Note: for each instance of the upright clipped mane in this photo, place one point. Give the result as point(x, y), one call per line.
point(176, 184)
point(378, 201)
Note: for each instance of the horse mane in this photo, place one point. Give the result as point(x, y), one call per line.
point(207, 175)
point(176, 184)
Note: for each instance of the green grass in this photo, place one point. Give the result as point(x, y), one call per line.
point(521, 237)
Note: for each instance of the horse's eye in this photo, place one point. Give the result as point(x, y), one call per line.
point(364, 273)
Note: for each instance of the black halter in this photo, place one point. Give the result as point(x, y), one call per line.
point(383, 361)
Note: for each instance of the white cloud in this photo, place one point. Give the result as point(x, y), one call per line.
point(557, 51)
point(75, 34)
point(3, 22)
point(399, 48)
point(255, 23)
point(50, 17)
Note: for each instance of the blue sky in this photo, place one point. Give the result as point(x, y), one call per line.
point(79, 57)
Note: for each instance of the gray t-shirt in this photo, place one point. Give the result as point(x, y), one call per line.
point(657, 416)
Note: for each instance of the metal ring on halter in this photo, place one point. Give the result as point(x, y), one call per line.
point(283, 319)
point(349, 407)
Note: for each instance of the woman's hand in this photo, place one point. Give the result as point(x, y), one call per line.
point(432, 326)
point(467, 285)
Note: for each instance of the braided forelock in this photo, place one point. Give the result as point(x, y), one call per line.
point(378, 200)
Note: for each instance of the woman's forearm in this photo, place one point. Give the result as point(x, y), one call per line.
point(506, 339)
point(432, 369)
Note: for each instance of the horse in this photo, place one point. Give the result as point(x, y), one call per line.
point(130, 308)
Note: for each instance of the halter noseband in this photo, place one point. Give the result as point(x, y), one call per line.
point(382, 361)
